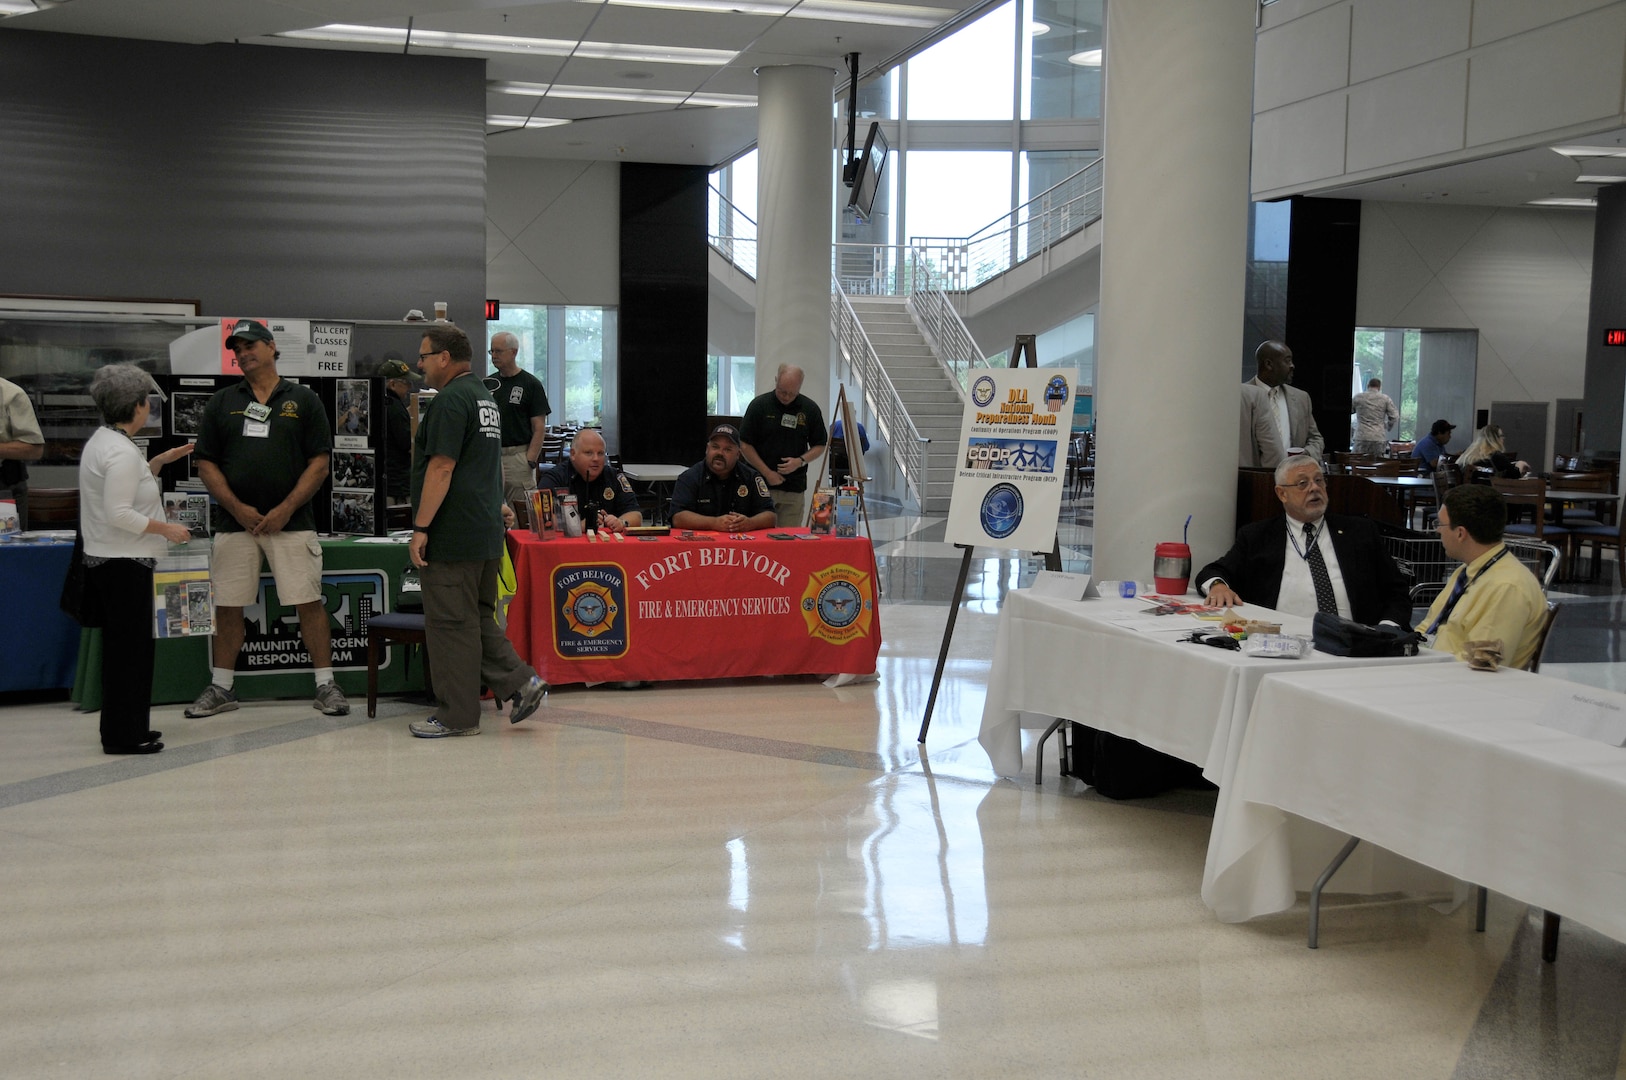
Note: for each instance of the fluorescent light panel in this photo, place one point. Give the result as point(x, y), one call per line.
point(1572, 203)
point(524, 46)
point(17, 7)
point(524, 121)
point(1590, 151)
point(1585, 178)
point(845, 11)
point(611, 93)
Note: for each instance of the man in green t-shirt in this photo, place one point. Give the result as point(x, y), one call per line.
point(457, 542)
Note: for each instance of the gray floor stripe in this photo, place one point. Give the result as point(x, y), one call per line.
point(117, 769)
point(1559, 1021)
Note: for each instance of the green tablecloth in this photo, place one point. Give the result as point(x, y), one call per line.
point(359, 579)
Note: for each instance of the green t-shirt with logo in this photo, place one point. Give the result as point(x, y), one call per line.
point(519, 398)
point(462, 424)
point(262, 460)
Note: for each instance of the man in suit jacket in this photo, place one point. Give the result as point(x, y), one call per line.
point(1275, 414)
point(1272, 565)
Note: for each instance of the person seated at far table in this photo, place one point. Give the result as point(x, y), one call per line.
point(1309, 560)
point(604, 497)
point(1492, 596)
point(1489, 449)
point(721, 493)
point(1428, 449)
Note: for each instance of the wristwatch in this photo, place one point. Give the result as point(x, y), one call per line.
point(420, 528)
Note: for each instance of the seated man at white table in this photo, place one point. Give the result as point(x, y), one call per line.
point(1492, 596)
point(1309, 560)
point(721, 493)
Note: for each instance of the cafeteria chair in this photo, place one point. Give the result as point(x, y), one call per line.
point(398, 626)
point(53, 508)
point(1592, 513)
point(1531, 492)
point(1600, 535)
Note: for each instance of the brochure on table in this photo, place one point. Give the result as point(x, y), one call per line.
point(1013, 455)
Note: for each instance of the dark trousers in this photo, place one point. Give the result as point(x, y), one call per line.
point(20, 494)
point(124, 590)
point(468, 648)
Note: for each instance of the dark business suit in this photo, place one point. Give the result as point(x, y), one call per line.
point(1376, 588)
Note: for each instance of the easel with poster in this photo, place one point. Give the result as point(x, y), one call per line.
point(1008, 485)
point(855, 461)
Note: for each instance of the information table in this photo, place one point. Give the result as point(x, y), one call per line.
point(716, 607)
point(39, 643)
point(1444, 765)
point(361, 577)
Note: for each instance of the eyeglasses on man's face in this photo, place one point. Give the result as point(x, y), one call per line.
point(1307, 482)
point(427, 355)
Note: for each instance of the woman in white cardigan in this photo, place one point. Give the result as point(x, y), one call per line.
point(121, 512)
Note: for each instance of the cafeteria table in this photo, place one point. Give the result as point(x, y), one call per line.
point(361, 577)
point(39, 643)
point(661, 480)
point(1448, 766)
point(709, 606)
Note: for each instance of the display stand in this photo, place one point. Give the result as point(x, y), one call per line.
point(1024, 348)
point(855, 462)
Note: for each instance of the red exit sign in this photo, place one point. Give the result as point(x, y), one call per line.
point(494, 311)
point(1614, 337)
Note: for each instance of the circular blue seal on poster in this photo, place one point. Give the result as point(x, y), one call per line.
point(982, 391)
point(839, 604)
point(590, 609)
point(1001, 511)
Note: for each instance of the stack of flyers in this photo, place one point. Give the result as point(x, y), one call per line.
point(183, 597)
point(189, 508)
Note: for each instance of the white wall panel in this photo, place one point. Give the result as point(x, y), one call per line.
point(552, 231)
point(1302, 58)
point(1390, 35)
point(1299, 143)
point(1497, 19)
point(1411, 114)
point(1547, 79)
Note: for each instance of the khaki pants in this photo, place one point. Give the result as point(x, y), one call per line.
point(789, 508)
point(517, 474)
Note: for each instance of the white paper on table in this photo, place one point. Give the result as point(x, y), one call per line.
point(1061, 585)
point(1586, 716)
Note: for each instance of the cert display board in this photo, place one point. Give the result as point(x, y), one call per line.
point(1013, 454)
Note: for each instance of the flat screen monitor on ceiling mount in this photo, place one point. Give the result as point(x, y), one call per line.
point(870, 167)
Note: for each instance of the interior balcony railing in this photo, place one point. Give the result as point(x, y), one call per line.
point(937, 318)
point(858, 354)
point(731, 232)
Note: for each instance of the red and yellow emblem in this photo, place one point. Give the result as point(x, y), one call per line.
point(839, 604)
point(590, 609)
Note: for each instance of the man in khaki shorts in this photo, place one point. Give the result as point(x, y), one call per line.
point(263, 451)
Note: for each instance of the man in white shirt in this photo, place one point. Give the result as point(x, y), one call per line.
point(20, 441)
point(1277, 420)
point(1339, 566)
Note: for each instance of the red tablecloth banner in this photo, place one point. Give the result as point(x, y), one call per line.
point(714, 607)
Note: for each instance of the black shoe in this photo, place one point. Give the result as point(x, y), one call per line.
point(134, 748)
point(152, 736)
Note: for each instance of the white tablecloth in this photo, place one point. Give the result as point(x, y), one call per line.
point(1443, 765)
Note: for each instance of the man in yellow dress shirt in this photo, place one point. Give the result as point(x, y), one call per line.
point(1492, 596)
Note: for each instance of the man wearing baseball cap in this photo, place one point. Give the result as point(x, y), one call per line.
point(398, 382)
point(721, 493)
point(264, 445)
point(1431, 446)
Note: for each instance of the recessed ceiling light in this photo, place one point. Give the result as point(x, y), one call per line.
point(503, 43)
point(1575, 204)
point(17, 7)
point(1087, 58)
point(1590, 151)
point(524, 121)
point(1036, 28)
point(1585, 178)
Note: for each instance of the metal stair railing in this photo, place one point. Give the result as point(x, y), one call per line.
point(731, 232)
point(934, 313)
point(908, 445)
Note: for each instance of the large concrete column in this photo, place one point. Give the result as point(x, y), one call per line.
point(795, 186)
point(1179, 105)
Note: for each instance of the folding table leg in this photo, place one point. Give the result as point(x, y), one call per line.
point(1038, 769)
point(1320, 883)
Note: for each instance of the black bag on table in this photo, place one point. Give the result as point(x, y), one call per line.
point(1121, 768)
point(1343, 637)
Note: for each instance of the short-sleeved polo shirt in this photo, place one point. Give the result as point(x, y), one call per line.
point(611, 492)
point(463, 425)
point(742, 491)
point(263, 471)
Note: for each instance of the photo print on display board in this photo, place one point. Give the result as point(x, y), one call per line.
point(353, 512)
point(354, 470)
point(350, 413)
point(186, 413)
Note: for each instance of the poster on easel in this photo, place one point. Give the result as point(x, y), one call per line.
point(1012, 458)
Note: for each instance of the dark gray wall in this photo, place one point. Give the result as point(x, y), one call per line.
point(257, 180)
point(1606, 364)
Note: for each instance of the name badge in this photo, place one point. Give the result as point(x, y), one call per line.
point(787, 420)
point(255, 429)
point(256, 411)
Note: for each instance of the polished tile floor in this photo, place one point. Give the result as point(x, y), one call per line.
point(745, 879)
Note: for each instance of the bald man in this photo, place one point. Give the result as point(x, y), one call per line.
point(523, 405)
point(604, 498)
point(783, 431)
point(1276, 415)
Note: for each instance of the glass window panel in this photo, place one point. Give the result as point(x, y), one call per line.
point(1061, 60)
point(743, 379)
point(584, 363)
point(528, 323)
point(969, 75)
point(956, 192)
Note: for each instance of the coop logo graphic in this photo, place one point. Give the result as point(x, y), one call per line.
point(589, 610)
point(1001, 511)
point(839, 604)
point(273, 643)
point(1011, 455)
point(982, 391)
